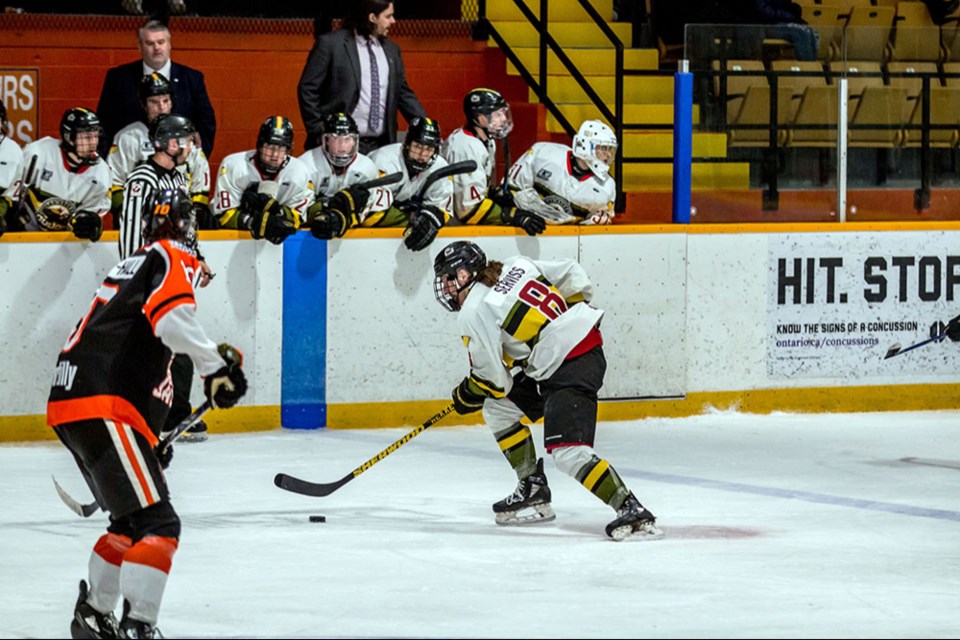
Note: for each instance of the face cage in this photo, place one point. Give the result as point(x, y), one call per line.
point(502, 131)
point(415, 167)
point(446, 300)
point(270, 168)
point(70, 140)
point(341, 161)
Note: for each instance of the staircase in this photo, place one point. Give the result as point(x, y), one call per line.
point(648, 100)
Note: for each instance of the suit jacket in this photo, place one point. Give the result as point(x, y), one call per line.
point(119, 103)
point(330, 82)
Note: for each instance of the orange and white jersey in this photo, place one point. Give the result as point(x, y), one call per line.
point(10, 156)
point(545, 172)
point(239, 170)
point(115, 364)
point(469, 189)
point(87, 188)
point(327, 181)
point(132, 146)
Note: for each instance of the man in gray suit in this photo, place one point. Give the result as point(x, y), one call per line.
point(357, 70)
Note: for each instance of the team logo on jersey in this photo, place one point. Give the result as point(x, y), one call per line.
point(46, 174)
point(544, 174)
point(560, 202)
point(136, 188)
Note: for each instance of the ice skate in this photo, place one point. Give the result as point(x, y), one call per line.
point(130, 628)
point(196, 433)
point(529, 504)
point(633, 521)
point(88, 622)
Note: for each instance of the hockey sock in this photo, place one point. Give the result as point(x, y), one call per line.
point(517, 446)
point(104, 571)
point(143, 576)
point(603, 481)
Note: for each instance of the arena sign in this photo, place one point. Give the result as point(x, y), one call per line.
point(19, 90)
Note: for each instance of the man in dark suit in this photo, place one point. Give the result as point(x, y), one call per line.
point(119, 99)
point(357, 70)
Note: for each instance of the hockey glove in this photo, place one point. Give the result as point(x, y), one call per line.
point(526, 220)
point(274, 222)
point(423, 227)
point(227, 385)
point(165, 455)
point(468, 397)
point(251, 201)
point(360, 195)
point(86, 224)
point(203, 217)
point(338, 216)
point(501, 199)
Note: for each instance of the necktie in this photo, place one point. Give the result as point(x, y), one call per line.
point(374, 121)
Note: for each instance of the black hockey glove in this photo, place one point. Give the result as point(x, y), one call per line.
point(951, 328)
point(526, 220)
point(338, 216)
point(203, 217)
point(359, 195)
point(250, 201)
point(468, 397)
point(165, 455)
point(423, 227)
point(501, 199)
point(227, 385)
point(87, 225)
point(274, 222)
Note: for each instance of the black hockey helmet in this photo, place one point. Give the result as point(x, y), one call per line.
point(79, 120)
point(169, 127)
point(458, 256)
point(485, 102)
point(155, 84)
point(425, 131)
point(168, 214)
point(339, 125)
point(276, 130)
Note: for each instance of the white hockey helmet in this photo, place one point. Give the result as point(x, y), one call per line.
point(596, 144)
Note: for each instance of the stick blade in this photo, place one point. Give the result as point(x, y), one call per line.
point(82, 510)
point(315, 489)
point(892, 351)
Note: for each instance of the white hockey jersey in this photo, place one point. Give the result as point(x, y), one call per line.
point(131, 146)
point(544, 183)
point(532, 318)
point(389, 159)
point(469, 189)
point(238, 171)
point(10, 156)
point(326, 181)
point(87, 189)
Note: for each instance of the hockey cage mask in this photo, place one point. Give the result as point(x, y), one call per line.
point(341, 139)
point(74, 123)
point(489, 105)
point(596, 144)
point(422, 145)
point(455, 269)
point(152, 86)
point(168, 214)
point(274, 144)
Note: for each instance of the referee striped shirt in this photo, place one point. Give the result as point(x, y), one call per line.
point(144, 181)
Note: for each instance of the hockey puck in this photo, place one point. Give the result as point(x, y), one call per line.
point(318, 518)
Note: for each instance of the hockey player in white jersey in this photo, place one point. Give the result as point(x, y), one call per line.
point(265, 190)
point(568, 185)
point(61, 184)
point(475, 198)
point(399, 203)
point(131, 146)
point(534, 317)
point(10, 157)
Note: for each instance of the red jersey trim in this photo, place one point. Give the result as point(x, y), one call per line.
point(104, 407)
point(593, 339)
point(570, 168)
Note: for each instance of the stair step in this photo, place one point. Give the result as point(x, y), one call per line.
point(643, 90)
point(706, 175)
point(558, 11)
point(660, 145)
point(597, 61)
point(567, 34)
point(632, 114)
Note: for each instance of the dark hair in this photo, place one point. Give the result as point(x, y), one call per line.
point(358, 19)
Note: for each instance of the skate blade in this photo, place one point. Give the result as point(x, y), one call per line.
point(539, 514)
point(193, 437)
point(638, 533)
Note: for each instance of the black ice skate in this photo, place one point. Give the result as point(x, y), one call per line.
point(529, 504)
point(196, 433)
point(634, 521)
point(130, 628)
point(88, 622)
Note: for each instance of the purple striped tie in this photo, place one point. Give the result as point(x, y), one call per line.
point(374, 122)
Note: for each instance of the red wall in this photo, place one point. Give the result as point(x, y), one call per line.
point(250, 74)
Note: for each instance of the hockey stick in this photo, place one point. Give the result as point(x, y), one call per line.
point(320, 489)
point(895, 349)
point(20, 216)
point(464, 166)
point(86, 510)
point(382, 181)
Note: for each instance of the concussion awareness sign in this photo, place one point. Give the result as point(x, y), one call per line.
point(838, 301)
